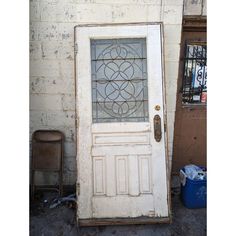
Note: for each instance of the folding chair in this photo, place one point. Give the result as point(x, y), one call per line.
point(47, 156)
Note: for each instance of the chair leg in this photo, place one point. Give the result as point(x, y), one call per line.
point(61, 184)
point(32, 185)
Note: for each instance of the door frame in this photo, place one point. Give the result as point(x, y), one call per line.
point(118, 221)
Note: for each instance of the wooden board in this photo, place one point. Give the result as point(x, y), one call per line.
point(123, 221)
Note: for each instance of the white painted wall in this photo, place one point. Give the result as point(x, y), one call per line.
point(52, 82)
point(195, 7)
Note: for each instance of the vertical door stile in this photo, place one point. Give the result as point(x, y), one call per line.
point(84, 126)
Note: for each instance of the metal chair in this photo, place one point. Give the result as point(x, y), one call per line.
point(47, 156)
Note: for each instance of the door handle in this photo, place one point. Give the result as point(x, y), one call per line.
point(157, 128)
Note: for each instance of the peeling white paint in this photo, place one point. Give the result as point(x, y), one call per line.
point(52, 52)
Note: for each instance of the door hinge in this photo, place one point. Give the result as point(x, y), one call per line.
point(165, 126)
point(76, 48)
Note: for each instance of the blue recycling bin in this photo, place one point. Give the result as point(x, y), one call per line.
point(193, 192)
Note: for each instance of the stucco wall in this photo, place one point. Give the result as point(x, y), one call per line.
point(52, 83)
point(195, 7)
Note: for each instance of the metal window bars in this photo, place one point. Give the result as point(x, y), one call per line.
point(194, 86)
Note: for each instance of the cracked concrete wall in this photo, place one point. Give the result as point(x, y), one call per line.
point(52, 82)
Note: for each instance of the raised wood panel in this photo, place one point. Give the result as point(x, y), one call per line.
point(124, 127)
point(99, 175)
point(121, 175)
point(118, 139)
point(122, 150)
point(133, 168)
point(110, 176)
point(144, 173)
point(124, 205)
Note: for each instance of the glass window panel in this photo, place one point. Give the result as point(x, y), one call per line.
point(114, 111)
point(119, 69)
point(119, 80)
point(118, 49)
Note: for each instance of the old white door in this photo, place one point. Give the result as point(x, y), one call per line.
point(122, 169)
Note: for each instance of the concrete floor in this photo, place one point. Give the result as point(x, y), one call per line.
point(61, 221)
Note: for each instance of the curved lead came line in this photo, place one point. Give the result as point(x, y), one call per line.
point(131, 66)
point(123, 74)
point(101, 53)
point(106, 111)
point(128, 92)
point(118, 47)
point(137, 107)
point(134, 52)
point(138, 65)
point(107, 66)
point(107, 95)
point(114, 76)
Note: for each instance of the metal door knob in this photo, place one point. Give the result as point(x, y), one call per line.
point(157, 108)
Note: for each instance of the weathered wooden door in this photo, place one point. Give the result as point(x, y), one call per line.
point(122, 169)
point(190, 117)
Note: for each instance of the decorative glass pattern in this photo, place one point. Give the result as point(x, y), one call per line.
point(119, 80)
point(195, 74)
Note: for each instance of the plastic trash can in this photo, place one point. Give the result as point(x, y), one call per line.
point(193, 192)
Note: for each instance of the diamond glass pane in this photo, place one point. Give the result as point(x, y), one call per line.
point(119, 80)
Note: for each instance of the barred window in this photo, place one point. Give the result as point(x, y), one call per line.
point(194, 89)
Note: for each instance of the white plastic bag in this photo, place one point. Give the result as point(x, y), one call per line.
point(194, 172)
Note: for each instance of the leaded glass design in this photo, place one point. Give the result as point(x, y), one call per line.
point(119, 80)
